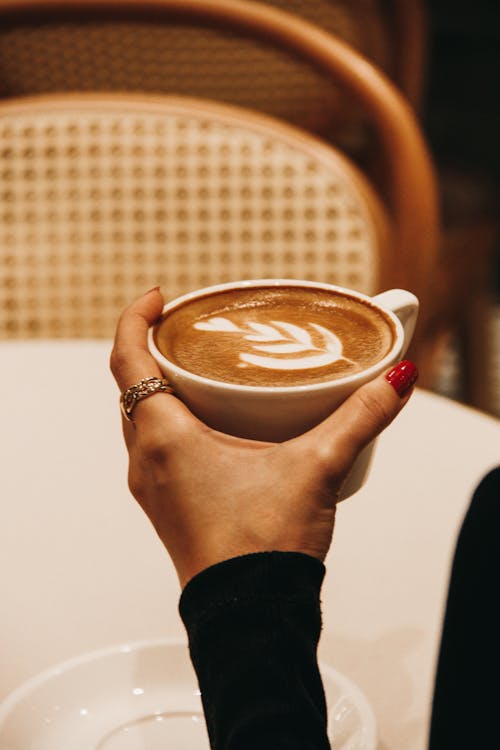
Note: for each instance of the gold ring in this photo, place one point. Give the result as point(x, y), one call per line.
point(143, 389)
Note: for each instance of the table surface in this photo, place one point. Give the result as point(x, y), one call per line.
point(82, 568)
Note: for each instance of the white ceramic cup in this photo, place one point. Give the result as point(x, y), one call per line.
point(278, 413)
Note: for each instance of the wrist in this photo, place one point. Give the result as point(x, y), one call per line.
point(278, 573)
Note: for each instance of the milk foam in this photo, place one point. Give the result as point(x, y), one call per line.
point(317, 345)
point(274, 337)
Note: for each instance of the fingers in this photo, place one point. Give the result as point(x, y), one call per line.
point(130, 358)
point(131, 361)
point(364, 415)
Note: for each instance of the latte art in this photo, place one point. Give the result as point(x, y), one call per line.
point(284, 339)
point(274, 336)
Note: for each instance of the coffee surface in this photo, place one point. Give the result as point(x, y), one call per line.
point(275, 336)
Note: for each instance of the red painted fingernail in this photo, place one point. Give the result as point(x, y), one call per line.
point(403, 377)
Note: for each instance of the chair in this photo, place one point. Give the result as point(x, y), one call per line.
point(103, 195)
point(137, 46)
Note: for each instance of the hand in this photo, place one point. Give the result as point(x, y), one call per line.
point(211, 496)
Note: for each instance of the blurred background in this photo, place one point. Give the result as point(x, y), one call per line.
point(462, 121)
point(97, 207)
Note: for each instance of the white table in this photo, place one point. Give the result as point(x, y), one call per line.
point(82, 569)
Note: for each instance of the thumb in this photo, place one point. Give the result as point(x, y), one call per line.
point(364, 415)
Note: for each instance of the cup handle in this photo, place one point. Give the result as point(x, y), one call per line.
point(405, 306)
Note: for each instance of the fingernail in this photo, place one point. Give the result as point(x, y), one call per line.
point(403, 377)
point(153, 289)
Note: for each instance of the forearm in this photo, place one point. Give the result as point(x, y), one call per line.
point(253, 624)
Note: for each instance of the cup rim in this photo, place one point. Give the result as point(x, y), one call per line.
point(362, 376)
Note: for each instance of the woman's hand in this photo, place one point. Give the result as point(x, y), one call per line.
point(211, 496)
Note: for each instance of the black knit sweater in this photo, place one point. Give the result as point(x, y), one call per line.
point(254, 624)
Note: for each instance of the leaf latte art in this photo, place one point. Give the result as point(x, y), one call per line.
point(284, 339)
point(274, 337)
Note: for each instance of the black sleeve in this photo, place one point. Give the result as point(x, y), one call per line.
point(253, 624)
point(467, 690)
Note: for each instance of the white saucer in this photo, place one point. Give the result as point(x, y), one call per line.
point(144, 696)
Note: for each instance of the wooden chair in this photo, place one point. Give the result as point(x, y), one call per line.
point(103, 196)
point(133, 46)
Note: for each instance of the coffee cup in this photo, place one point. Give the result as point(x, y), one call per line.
point(269, 359)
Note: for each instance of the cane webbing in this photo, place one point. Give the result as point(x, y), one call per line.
point(97, 206)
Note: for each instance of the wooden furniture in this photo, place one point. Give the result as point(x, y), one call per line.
point(85, 189)
point(103, 45)
point(134, 46)
point(86, 570)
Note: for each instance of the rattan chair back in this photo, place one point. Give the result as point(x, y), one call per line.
point(103, 198)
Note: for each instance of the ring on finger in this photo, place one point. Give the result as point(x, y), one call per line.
point(143, 389)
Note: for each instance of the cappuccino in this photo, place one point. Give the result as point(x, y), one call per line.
point(275, 336)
